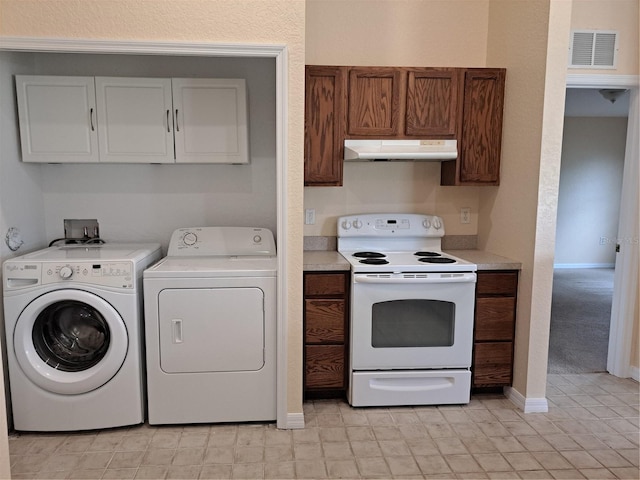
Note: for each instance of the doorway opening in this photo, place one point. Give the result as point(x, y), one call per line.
point(593, 158)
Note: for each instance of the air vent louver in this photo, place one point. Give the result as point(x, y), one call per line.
point(596, 49)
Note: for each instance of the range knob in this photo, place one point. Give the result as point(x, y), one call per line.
point(357, 224)
point(426, 223)
point(190, 238)
point(346, 225)
point(437, 223)
point(66, 272)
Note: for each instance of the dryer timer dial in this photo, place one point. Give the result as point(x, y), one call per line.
point(190, 239)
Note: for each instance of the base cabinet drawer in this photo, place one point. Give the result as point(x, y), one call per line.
point(492, 364)
point(324, 366)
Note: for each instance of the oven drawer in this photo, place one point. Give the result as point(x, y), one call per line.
point(411, 387)
point(324, 321)
point(324, 366)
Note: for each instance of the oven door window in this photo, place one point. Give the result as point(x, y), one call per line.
point(412, 323)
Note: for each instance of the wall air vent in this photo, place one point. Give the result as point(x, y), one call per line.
point(593, 49)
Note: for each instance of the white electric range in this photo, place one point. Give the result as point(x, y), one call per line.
point(412, 311)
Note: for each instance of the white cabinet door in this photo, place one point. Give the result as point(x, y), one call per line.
point(210, 120)
point(57, 119)
point(135, 124)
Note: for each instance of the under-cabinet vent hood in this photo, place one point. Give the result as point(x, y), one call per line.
point(400, 150)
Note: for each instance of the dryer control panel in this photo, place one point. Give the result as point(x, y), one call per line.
point(108, 274)
point(222, 241)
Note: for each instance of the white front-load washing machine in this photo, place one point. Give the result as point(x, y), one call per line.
point(210, 323)
point(74, 329)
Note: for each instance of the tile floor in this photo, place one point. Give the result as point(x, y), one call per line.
point(591, 431)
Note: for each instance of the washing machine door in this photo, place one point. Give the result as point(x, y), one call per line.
point(70, 341)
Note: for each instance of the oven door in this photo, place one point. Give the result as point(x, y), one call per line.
point(412, 320)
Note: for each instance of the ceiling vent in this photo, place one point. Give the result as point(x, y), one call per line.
point(596, 49)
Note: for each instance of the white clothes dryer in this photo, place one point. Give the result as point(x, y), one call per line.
point(73, 323)
point(210, 323)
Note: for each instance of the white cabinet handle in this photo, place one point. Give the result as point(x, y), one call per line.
point(177, 330)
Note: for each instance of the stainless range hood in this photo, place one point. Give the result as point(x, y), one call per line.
point(400, 150)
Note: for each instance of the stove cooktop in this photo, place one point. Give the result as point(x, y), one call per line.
point(432, 261)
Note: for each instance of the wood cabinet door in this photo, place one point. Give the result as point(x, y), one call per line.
point(57, 118)
point(324, 125)
point(432, 102)
point(210, 117)
point(482, 126)
point(374, 101)
point(135, 123)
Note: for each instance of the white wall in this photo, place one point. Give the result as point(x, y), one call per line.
point(147, 202)
point(593, 150)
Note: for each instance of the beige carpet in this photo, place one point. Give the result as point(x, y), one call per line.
point(580, 316)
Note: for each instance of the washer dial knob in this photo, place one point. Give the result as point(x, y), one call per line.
point(346, 225)
point(66, 272)
point(257, 239)
point(190, 238)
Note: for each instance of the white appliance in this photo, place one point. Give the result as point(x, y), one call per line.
point(73, 321)
point(412, 310)
point(210, 315)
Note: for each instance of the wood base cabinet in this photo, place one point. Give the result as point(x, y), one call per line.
point(494, 329)
point(326, 310)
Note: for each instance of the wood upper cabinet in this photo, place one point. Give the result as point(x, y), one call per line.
point(432, 102)
point(324, 125)
point(480, 139)
point(403, 103)
point(373, 99)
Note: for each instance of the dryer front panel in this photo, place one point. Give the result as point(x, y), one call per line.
point(211, 330)
point(70, 341)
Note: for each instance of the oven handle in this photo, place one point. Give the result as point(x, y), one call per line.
point(413, 278)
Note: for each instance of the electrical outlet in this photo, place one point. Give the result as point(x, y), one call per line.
point(465, 215)
point(310, 216)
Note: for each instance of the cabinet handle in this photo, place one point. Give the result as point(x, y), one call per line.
point(168, 119)
point(91, 119)
point(177, 125)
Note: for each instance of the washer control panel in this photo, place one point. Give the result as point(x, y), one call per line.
point(222, 241)
point(109, 274)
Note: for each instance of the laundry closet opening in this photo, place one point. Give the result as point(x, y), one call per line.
point(136, 202)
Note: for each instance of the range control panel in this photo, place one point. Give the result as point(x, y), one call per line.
point(222, 241)
point(390, 225)
point(109, 274)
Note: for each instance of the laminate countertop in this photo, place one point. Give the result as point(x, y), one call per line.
point(330, 260)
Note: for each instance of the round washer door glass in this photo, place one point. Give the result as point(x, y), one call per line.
point(71, 336)
point(70, 341)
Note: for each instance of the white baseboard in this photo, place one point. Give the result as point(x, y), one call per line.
point(635, 373)
point(293, 421)
point(584, 265)
point(527, 405)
